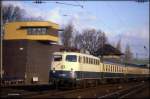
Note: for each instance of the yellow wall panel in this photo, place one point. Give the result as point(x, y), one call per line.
point(14, 30)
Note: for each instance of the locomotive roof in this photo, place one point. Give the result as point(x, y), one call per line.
point(76, 53)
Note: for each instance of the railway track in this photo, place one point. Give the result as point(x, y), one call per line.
point(125, 92)
point(79, 93)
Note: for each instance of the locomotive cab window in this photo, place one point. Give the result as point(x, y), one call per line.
point(71, 58)
point(57, 57)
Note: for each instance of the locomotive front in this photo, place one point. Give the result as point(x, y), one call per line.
point(64, 66)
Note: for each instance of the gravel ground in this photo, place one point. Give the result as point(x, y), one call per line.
point(79, 93)
point(143, 94)
point(86, 93)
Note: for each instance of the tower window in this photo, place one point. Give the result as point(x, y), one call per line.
point(37, 31)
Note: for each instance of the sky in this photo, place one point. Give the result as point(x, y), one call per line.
point(125, 20)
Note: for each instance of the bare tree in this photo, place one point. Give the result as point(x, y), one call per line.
point(118, 46)
point(14, 13)
point(76, 40)
point(66, 35)
point(11, 13)
point(128, 54)
point(90, 40)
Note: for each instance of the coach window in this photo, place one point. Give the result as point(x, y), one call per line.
point(93, 61)
point(71, 58)
point(90, 61)
point(79, 59)
point(117, 69)
point(106, 67)
point(121, 69)
point(113, 68)
point(83, 59)
point(110, 68)
point(86, 60)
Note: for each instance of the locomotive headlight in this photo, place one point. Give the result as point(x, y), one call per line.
point(73, 75)
point(53, 70)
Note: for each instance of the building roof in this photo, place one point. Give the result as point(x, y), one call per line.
point(18, 30)
point(109, 50)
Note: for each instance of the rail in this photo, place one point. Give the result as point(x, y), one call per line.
point(124, 93)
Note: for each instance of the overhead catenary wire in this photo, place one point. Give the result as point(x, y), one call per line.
point(69, 4)
point(58, 2)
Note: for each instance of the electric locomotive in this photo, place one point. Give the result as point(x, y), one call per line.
point(72, 68)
